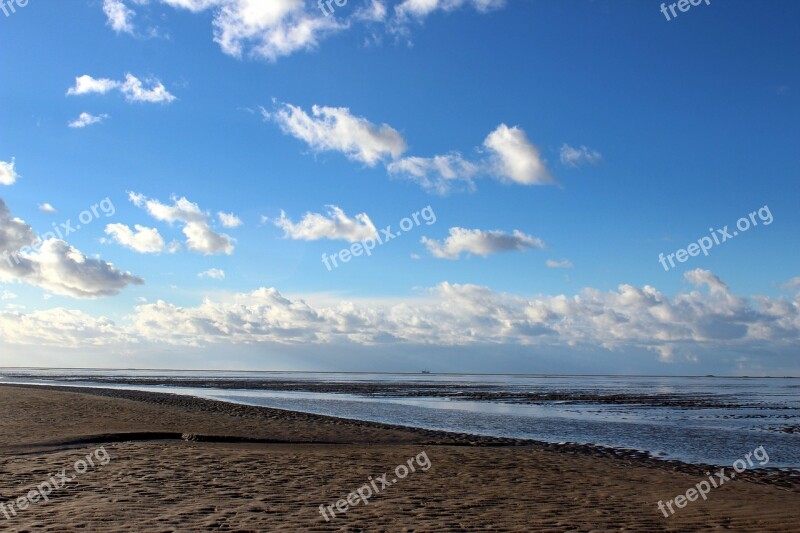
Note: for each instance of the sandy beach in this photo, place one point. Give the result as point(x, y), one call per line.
point(171, 463)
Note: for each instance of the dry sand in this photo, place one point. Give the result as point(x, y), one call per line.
point(254, 469)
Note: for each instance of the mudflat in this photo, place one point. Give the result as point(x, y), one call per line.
point(141, 461)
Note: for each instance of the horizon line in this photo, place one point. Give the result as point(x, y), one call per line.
point(425, 372)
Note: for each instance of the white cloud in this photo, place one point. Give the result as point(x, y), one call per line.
point(120, 16)
point(60, 327)
point(8, 176)
point(261, 29)
point(575, 157)
point(200, 237)
point(213, 273)
point(480, 242)
point(439, 173)
point(336, 225)
point(132, 88)
point(422, 8)
point(88, 85)
point(516, 158)
point(564, 263)
point(336, 129)
point(229, 220)
point(270, 29)
point(278, 28)
point(374, 11)
point(87, 119)
point(64, 270)
point(452, 314)
point(511, 157)
point(629, 321)
point(195, 6)
point(701, 277)
point(261, 316)
point(54, 265)
point(47, 208)
point(143, 240)
point(137, 199)
point(181, 210)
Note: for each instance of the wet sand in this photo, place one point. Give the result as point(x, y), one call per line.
point(416, 389)
point(186, 464)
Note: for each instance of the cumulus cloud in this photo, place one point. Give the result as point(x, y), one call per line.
point(8, 176)
point(480, 242)
point(120, 16)
point(336, 129)
point(53, 264)
point(277, 28)
point(575, 157)
point(140, 239)
point(87, 119)
point(564, 263)
point(132, 88)
point(266, 30)
point(270, 29)
point(439, 173)
point(515, 158)
point(213, 273)
point(263, 315)
point(706, 319)
point(60, 327)
point(88, 85)
point(701, 277)
point(336, 225)
point(452, 314)
point(200, 237)
point(181, 210)
point(47, 208)
point(229, 220)
point(135, 91)
point(509, 156)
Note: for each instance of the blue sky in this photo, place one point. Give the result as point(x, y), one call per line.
point(683, 125)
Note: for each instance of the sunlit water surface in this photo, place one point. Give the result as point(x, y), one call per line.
point(764, 410)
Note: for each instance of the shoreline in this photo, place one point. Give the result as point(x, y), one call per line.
point(180, 463)
point(779, 476)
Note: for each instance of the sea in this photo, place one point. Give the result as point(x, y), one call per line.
point(694, 419)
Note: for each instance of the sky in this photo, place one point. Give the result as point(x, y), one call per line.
point(450, 185)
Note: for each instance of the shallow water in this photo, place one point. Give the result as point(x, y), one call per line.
point(726, 417)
